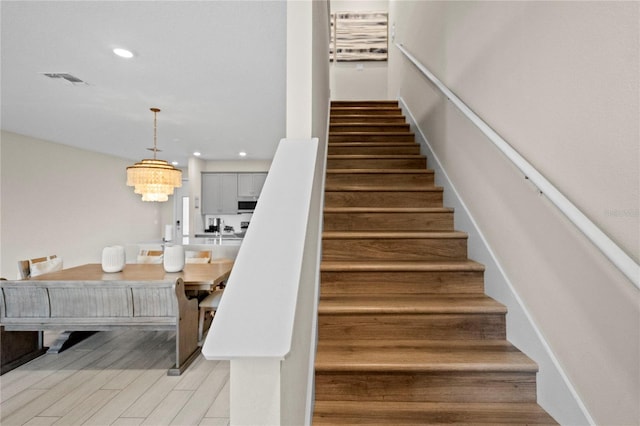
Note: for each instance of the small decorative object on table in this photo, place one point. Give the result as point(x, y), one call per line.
point(174, 258)
point(113, 259)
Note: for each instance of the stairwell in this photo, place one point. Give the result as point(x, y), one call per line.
point(406, 334)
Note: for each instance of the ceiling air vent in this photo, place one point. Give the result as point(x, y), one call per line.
point(65, 76)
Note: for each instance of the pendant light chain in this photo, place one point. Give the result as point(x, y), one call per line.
point(155, 131)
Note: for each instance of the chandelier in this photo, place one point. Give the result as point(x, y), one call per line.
point(152, 178)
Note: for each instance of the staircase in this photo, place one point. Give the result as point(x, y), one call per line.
point(406, 333)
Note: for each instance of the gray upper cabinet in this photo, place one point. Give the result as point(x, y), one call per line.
point(250, 184)
point(219, 193)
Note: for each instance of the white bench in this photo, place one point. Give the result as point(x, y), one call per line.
point(103, 306)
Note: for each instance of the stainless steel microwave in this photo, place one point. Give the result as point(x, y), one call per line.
point(245, 206)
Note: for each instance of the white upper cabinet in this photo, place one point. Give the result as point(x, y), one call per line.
point(250, 184)
point(219, 193)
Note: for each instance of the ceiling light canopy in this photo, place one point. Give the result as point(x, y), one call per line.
point(152, 178)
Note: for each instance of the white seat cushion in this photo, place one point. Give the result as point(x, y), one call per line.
point(197, 260)
point(212, 301)
point(150, 256)
point(197, 256)
point(39, 266)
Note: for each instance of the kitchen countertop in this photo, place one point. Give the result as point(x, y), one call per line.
point(226, 238)
point(224, 235)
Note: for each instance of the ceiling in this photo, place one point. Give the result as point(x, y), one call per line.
point(216, 69)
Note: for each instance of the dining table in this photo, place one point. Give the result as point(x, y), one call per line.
point(196, 276)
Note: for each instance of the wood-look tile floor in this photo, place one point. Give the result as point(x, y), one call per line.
point(116, 378)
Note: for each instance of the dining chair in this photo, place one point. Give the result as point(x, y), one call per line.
point(150, 256)
point(208, 304)
point(197, 256)
point(38, 266)
point(212, 301)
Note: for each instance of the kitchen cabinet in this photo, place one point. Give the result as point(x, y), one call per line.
point(250, 184)
point(219, 193)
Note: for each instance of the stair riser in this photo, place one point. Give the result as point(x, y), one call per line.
point(377, 163)
point(342, 111)
point(378, 149)
point(418, 326)
point(388, 221)
point(433, 387)
point(369, 127)
point(387, 103)
point(379, 180)
point(383, 199)
point(459, 418)
point(341, 119)
point(371, 137)
point(379, 413)
point(405, 282)
point(394, 249)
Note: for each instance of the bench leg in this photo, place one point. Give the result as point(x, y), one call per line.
point(178, 370)
point(201, 324)
point(68, 339)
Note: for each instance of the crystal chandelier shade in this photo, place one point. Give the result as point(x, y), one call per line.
point(152, 178)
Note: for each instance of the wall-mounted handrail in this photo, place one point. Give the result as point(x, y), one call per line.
point(608, 247)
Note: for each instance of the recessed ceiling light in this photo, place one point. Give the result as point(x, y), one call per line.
point(175, 163)
point(197, 154)
point(123, 53)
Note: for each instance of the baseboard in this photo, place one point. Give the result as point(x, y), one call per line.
point(556, 394)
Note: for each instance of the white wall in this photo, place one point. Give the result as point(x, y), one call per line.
point(237, 166)
point(358, 80)
point(66, 201)
point(559, 81)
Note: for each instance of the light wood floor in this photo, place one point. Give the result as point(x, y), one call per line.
point(116, 378)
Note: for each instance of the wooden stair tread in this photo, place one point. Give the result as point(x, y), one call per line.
point(348, 111)
point(361, 124)
point(409, 304)
point(372, 156)
point(388, 210)
point(386, 188)
point(370, 144)
point(420, 356)
point(358, 118)
point(406, 412)
point(365, 102)
point(379, 171)
point(381, 266)
point(362, 107)
point(393, 234)
point(369, 133)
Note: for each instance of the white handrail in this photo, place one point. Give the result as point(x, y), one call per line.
point(608, 247)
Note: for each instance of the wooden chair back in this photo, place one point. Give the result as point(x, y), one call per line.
point(24, 266)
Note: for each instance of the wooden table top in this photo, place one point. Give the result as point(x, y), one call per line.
point(196, 276)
